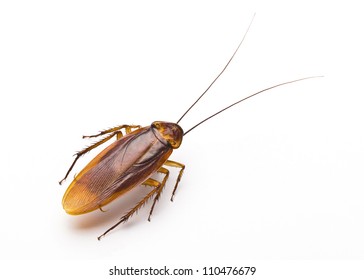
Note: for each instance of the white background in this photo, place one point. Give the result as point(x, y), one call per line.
point(277, 178)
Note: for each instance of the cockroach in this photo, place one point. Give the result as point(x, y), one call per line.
point(131, 161)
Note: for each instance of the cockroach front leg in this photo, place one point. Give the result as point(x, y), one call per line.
point(177, 165)
point(115, 131)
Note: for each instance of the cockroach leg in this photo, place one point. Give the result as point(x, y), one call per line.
point(102, 210)
point(87, 149)
point(128, 129)
point(115, 131)
point(157, 190)
point(165, 171)
point(177, 165)
point(149, 182)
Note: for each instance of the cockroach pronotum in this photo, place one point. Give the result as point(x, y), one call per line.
point(131, 161)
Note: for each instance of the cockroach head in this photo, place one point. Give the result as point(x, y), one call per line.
point(170, 132)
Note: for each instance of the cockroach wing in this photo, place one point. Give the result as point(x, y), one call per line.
point(120, 167)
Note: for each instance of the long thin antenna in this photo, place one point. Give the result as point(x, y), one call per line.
point(227, 64)
point(245, 98)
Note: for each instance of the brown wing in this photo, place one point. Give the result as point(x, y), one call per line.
point(121, 166)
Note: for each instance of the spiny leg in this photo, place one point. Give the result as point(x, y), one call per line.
point(165, 171)
point(177, 165)
point(149, 182)
point(87, 149)
point(114, 131)
point(128, 129)
point(157, 189)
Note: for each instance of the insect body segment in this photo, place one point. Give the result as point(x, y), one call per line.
point(171, 132)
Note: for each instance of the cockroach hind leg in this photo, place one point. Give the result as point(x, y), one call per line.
point(112, 132)
point(182, 168)
point(156, 188)
point(61, 182)
point(71, 167)
point(88, 149)
point(128, 129)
